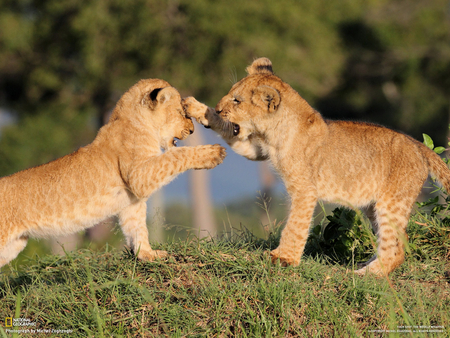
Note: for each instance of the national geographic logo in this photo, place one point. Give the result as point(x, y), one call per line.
point(21, 322)
point(26, 325)
point(8, 322)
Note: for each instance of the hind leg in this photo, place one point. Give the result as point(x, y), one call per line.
point(134, 227)
point(12, 249)
point(371, 215)
point(392, 218)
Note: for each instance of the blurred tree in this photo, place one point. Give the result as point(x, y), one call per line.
point(64, 64)
point(397, 69)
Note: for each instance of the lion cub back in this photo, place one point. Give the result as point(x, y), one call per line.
point(360, 162)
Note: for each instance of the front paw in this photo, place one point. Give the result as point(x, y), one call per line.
point(284, 259)
point(213, 155)
point(195, 109)
point(149, 256)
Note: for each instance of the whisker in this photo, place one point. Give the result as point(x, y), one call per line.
point(233, 75)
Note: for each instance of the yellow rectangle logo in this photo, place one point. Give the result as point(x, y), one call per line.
point(8, 321)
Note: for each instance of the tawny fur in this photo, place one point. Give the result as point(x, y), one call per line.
point(114, 175)
point(353, 164)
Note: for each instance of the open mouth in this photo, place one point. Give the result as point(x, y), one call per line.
point(236, 129)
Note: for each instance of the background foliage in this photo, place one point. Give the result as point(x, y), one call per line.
point(63, 64)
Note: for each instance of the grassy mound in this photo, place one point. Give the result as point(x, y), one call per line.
point(224, 288)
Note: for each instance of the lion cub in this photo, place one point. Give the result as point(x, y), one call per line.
point(350, 163)
point(114, 175)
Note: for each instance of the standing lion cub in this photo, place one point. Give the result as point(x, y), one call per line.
point(350, 163)
point(114, 175)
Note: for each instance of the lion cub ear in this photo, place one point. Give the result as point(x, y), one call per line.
point(159, 96)
point(260, 66)
point(266, 97)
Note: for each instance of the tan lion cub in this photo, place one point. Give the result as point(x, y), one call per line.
point(350, 163)
point(114, 175)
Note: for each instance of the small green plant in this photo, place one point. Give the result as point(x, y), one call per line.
point(428, 141)
point(345, 237)
point(433, 202)
point(430, 144)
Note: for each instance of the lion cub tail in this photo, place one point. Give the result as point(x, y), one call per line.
point(438, 167)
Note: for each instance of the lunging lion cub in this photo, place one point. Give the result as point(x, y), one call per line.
point(350, 163)
point(114, 175)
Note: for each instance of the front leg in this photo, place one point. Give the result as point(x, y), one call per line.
point(146, 176)
point(134, 227)
point(295, 234)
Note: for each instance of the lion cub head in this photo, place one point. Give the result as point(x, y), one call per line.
point(261, 102)
point(155, 105)
point(251, 103)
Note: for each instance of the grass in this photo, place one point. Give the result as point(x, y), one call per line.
point(226, 288)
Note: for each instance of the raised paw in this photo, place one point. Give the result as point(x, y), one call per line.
point(195, 109)
point(149, 256)
point(213, 155)
point(284, 260)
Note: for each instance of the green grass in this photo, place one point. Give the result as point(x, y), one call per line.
point(225, 288)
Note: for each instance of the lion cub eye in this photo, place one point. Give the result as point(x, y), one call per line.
point(236, 101)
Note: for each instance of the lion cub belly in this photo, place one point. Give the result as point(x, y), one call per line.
point(353, 188)
point(346, 193)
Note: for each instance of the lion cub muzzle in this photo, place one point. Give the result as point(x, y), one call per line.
point(188, 130)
